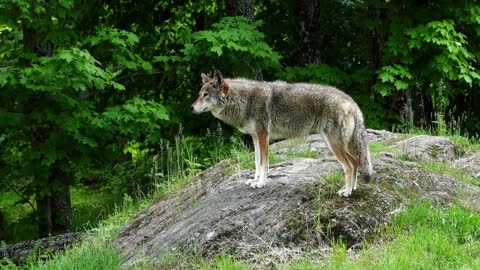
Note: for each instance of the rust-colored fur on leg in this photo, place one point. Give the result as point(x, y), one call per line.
point(281, 110)
point(263, 140)
point(339, 150)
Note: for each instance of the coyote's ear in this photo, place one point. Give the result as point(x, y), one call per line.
point(205, 78)
point(224, 88)
point(217, 78)
point(221, 83)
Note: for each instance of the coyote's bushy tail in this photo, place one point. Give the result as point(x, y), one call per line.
point(360, 143)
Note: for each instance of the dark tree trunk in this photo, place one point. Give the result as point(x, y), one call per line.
point(239, 8)
point(375, 45)
point(309, 33)
point(408, 107)
point(243, 8)
point(54, 209)
point(53, 198)
point(375, 38)
point(62, 219)
point(44, 213)
point(3, 227)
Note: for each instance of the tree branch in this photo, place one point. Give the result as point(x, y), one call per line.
point(21, 196)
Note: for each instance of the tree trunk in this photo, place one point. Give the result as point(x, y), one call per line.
point(239, 8)
point(243, 8)
point(375, 38)
point(44, 213)
point(309, 33)
point(3, 227)
point(62, 219)
point(408, 107)
point(53, 198)
point(53, 204)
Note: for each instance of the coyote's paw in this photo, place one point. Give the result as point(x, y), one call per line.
point(257, 184)
point(344, 192)
point(250, 182)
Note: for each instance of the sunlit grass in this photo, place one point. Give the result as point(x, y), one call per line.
point(446, 168)
point(96, 251)
point(422, 237)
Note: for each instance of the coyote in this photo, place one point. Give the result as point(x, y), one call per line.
point(279, 110)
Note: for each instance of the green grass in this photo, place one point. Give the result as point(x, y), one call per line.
point(244, 158)
point(178, 261)
point(93, 254)
point(89, 206)
point(471, 143)
point(422, 237)
point(445, 168)
point(19, 219)
point(97, 251)
point(334, 181)
point(378, 147)
point(225, 263)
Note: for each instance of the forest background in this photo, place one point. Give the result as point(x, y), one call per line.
point(95, 95)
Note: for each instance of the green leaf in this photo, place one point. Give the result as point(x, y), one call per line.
point(382, 89)
point(466, 78)
point(386, 77)
point(79, 85)
point(118, 86)
point(66, 55)
point(400, 85)
point(131, 108)
point(161, 58)
point(217, 49)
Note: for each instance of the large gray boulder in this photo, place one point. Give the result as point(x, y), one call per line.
point(297, 209)
point(429, 148)
point(471, 164)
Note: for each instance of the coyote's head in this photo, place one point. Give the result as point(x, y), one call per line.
point(212, 93)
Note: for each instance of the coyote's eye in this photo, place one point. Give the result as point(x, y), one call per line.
point(205, 94)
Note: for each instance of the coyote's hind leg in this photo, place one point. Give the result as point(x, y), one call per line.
point(339, 151)
point(353, 161)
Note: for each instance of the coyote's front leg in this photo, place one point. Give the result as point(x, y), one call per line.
point(260, 141)
point(256, 145)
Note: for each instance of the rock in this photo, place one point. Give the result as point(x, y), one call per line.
point(16, 252)
point(313, 143)
point(382, 135)
point(471, 164)
point(297, 209)
point(429, 148)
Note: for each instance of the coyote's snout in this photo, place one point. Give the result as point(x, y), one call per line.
point(280, 110)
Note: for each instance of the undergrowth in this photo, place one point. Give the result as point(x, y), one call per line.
point(421, 237)
point(445, 168)
point(96, 251)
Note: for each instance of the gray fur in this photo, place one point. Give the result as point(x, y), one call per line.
point(289, 110)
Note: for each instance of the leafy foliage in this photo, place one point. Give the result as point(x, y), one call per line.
point(236, 41)
point(94, 90)
point(316, 74)
point(449, 59)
